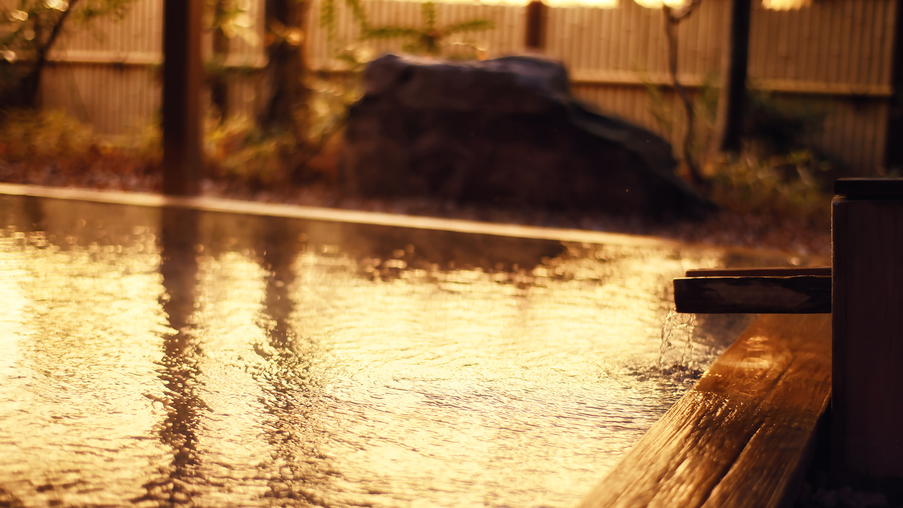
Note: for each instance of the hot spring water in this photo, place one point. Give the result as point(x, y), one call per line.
point(155, 356)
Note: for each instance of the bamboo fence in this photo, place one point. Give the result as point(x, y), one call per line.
point(834, 56)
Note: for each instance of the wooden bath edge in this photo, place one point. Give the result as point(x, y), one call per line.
point(743, 436)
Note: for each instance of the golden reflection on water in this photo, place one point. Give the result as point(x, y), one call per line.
point(172, 357)
point(78, 357)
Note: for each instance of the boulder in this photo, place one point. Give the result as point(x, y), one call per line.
point(505, 131)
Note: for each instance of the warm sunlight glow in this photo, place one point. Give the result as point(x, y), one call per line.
point(785, 5)
point(658, 4)
point(152, 357)
point(603, 4)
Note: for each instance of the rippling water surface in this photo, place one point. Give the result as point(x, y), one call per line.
point(164, 357)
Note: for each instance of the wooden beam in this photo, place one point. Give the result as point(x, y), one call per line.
point(182, 81)
point(805, 294)
point(743, 435)
point(824, 271)
point(141, 58)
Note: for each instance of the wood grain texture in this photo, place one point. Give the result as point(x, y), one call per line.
point(867, 413)
point(804, 294)
point(742, 434)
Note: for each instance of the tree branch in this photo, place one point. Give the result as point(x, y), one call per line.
point(32, 81)
point(671, 22)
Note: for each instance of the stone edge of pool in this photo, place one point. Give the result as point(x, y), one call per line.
point(224, 205)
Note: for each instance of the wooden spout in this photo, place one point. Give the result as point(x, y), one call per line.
point(755, 290)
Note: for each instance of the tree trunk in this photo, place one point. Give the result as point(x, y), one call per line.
point(729, 118)
point(537, 13)
point(31, 83)
point(286, 108)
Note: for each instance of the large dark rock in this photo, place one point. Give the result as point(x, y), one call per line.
point(505, 131)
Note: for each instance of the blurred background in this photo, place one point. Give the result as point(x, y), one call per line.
point(80, 82)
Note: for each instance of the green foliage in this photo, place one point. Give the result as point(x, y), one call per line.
point(41, 136)
point(232, 18)
point(331, 96)
point(428, 38)
point(239, 149)
point(778, 175)
point(791, 186)
point(329, 16)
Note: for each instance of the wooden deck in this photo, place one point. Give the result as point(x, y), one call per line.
point(743, 436)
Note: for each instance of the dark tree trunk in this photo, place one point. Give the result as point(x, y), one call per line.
point(286, 106)
point(728, 121)
point(537, 13)
point(31, 83)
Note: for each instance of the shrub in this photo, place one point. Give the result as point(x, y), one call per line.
point(39, 136)
point(238, 149)
point(780, 187)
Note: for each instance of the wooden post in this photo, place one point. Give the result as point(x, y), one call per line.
point(867, 405)
point(182, 76)
point(537, 13)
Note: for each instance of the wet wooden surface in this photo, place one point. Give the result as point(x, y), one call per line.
point(743, 435)
point(824, 271)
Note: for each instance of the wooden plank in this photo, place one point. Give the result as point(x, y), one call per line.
point(742, 435)
point(606, 54)
point(621, 77)
point(858, 58)
point(760, 272)
point(756, 294)
point(789, 45)
point(886, 63)
point(844, 54)
point(867, 57)
point(805, 43)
